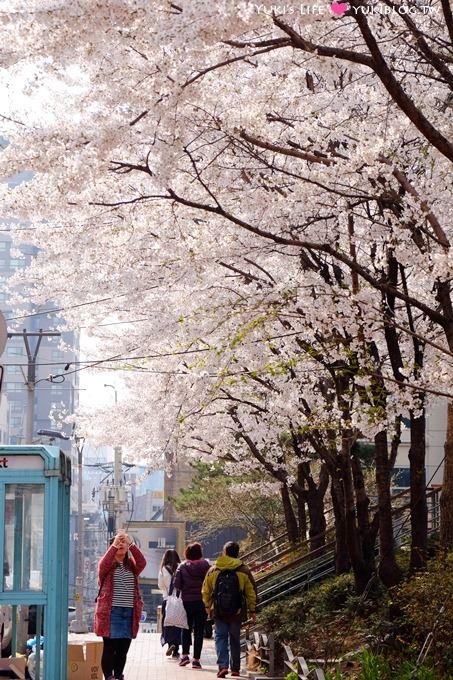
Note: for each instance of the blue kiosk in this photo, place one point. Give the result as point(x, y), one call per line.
point(34, 550)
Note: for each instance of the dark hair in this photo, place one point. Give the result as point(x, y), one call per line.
point(127, 562)
point(171, 560)
point(193, 552)
point(231, 548)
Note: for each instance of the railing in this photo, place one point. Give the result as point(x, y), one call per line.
point(306, 569)
point(260, 655)
point(298, 665)
point(299, 572)
point(278, 550)
point(261, 661)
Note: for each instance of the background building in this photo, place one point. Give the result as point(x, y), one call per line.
point(50, 398)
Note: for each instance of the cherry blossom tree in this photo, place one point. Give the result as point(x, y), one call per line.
point(210, 173)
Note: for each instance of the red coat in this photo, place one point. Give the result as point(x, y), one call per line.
point(106, 570)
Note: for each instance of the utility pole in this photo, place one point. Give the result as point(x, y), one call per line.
point(115, 501)
point(31, 373)
point(79, 625)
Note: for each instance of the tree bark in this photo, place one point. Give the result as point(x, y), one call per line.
point(290, 517)
point(446, 499)
point(361, 570)
point(342, 561)
point(419, 506)
point(388, 569)
point(362, 503)
point(301, 507)
point(315, 503)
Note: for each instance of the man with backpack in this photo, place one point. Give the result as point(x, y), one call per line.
point(229, 595)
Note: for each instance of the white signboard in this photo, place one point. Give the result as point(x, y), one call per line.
point(21, 462)
point(153, 539)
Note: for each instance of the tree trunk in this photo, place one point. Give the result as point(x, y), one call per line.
point(315, 504)
point(361, 570)
point(362, 504)
point(317, 531)
point(301, 507)
point(342, 561)
point(290, 517)
point(388, 569)
point(446, 499)
point(419, 506)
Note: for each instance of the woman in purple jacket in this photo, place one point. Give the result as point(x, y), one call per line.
point(189, 578)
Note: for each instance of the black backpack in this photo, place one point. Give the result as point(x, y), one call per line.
point(227, 593)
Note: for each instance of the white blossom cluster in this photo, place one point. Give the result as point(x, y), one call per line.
point(231, 198)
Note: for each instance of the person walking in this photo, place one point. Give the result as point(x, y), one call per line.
point(118, 604)
point(189, 578)
point(165, 581)
point(229, 595)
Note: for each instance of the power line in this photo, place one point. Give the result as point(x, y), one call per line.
point(54, 310)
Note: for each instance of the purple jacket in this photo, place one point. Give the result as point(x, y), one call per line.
point(189, 578)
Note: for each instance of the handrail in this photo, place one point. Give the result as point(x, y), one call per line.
point(311, 559)
point(289, 547)
point(312, 567)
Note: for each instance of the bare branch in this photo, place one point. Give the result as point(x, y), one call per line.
point(310, 157)
point(307, 46)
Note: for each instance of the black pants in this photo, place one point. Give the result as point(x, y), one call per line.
point(114, 656)
point(196, 618)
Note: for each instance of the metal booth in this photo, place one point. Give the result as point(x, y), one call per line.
point(34, 548)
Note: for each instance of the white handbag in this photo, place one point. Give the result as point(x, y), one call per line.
point(175, 614)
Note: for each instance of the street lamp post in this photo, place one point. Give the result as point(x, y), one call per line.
point(79, 624)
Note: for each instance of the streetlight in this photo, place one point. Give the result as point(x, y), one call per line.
point(79, 624)
point(53, 434)
point(114, 389)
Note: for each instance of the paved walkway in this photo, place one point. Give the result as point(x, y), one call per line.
point(147, 661)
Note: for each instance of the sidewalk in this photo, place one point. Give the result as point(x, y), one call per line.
point(146, 660)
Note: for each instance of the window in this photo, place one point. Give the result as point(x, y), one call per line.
point(14, 387)
point(16, 421)
point(57, 354)
point(401, 477)
point(4, 245)
point(23, 545)
point(12, 370)
point(15, 351)
point(15, 263)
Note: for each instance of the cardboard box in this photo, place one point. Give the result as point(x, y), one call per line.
point(16, 664)
point(84, 659)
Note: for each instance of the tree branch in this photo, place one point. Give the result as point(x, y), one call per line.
point(393, 87)
point(307, 46)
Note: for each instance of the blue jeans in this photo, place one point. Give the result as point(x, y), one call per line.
point(228, 644)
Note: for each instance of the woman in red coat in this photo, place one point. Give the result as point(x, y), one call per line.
point(119, 605)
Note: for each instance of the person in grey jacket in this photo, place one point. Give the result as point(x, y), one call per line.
point(189, 579)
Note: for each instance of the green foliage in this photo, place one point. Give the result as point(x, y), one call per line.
point(334, 675)
point(379, 667)
point(373, 666)
point(390, 626)
point(425, 601)
point(292, 675)
point(212, 503)
point(313, 621)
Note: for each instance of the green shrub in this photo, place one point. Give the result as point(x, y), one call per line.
point(373, 666)
point(292, 675)
point(420, 601)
